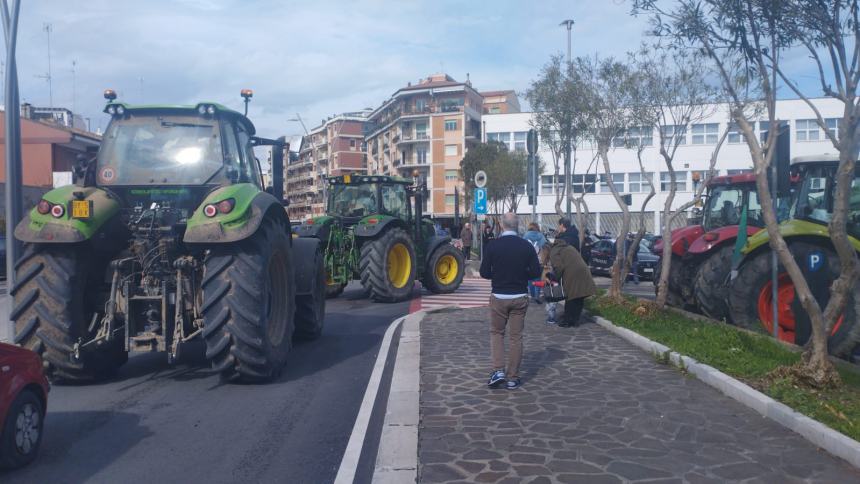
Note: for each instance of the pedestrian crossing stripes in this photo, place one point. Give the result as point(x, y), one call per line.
point(472, 293)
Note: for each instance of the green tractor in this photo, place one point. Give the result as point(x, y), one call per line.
point(374, 231)
point(806, 233)
point(168, 236)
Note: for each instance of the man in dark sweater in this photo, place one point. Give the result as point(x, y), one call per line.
point(509, 262)
point(568, 232)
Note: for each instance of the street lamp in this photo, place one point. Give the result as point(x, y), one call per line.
point(567, 155)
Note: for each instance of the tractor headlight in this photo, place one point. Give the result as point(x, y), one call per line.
point(210, 109)
point(111, 110)
point(201, 109)
point(120, 110)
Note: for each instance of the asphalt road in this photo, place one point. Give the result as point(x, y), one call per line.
point(645, 289)
point(161, 423)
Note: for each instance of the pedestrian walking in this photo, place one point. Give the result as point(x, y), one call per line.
point(569, 268)
point(568, 232)
point(509, 262)
point(466, 237)
point(534, 236)
point(634, 265)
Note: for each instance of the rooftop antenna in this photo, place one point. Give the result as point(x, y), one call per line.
point(48, 28)
point(74, 85)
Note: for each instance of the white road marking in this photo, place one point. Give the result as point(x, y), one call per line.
point(352, 454)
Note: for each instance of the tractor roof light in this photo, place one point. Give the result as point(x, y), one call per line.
point(110, 94)
point(120, 110)
point(210, 109)
point(246, 93)
point(111, 109)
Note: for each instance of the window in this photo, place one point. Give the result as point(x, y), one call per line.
point(680, 181)
point(706, 134)
point(638, 183)
point(833, 126)
point(806, 130)
point(352, 143)
point(583, 183)
point(520, 140)
point(635, 136)
point(421, 155)
point(452, 175)
point(495, 110)
point(420, 105)
point(674, 134)
point(547, 185)
point(451, 125)
point(394, 201)
point(449, 199)
point(450, 150)
point(735, 136)
point(617, 180)
point(250, 167)
point(501, 138)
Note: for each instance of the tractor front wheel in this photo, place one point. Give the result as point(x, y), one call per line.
point(710, 288)
point(444, 271)
point(249, 304)
point(387, 266)
point(56, 292)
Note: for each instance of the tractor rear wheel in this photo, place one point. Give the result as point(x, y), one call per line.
point(710, 286)
point(751, 300)
point(55, 295)
point(444, 271)
point(387, 266)
point(674, 296)
point(310, 308)
point(249, 304)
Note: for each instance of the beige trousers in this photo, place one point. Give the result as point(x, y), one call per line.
point(510, 315)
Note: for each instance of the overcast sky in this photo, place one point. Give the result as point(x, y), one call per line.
point(316, 58)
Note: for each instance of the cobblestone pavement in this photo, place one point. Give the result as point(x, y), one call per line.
point(592, 409)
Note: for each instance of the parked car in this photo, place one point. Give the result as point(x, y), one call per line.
point(23, 402)
point(603, 256)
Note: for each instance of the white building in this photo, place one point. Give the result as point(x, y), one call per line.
point(692, 156)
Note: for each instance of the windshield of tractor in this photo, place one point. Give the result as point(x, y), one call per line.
point(172, 150)
point(815, 200)
point(353, 200)
point(723, 207)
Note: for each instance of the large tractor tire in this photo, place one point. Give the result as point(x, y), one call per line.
point(445, 270)
point(710, 286)
point(387, 266)
point(674, 297)
point(310, 308)
point(249, 304)
point(56, 293)
point(750, 299)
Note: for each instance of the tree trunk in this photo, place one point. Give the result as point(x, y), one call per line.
point(619, 275)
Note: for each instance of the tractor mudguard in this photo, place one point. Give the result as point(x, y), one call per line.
point(304, 251)
point(250, 205)
point(793, 229)
point(45, 228)
point(681, 239)
point(318, 227)
point(373, 225)
point(434, 242)
point(717, 237)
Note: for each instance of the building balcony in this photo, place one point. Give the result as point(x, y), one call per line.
point(415, 138)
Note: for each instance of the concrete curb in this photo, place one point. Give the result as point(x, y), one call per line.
point(397, 457)
point(812, 430)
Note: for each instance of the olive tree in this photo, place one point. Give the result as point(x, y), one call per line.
point(745, 40)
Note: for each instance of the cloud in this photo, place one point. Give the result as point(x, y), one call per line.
point(315, 58)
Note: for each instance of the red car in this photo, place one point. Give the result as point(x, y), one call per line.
point(23, 402)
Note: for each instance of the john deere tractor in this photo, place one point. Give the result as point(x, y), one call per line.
point(168, 236)
point(374, 231)
point(806, 233)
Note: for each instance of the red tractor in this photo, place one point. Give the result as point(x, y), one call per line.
point(702, 253)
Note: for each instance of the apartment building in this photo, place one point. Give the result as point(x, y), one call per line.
point(426, 128)
point(500, 102)
point(691, 161)
point(333, 148)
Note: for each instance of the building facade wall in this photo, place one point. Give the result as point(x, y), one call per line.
point(693, 156)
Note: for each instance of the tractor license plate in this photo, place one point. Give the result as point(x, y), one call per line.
point(81, 208)
point(649, 269)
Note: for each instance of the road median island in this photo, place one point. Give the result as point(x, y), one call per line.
point(593, 408)
point(745, 366)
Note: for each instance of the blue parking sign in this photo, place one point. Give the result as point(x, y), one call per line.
point(480, 201)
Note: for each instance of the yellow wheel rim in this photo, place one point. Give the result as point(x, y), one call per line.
point(446, 269)
point(399, 265)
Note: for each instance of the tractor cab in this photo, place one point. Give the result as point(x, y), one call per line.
point(815, 198)
point(726, 199)
point(355, 197)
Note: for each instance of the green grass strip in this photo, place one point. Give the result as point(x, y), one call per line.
point(745, 356)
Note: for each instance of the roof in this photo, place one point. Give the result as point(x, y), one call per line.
point(732, 179)
point(822, 158)
point(496, 93)
point(191, 108)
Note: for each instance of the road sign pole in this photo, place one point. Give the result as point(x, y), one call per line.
point(13, 139)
